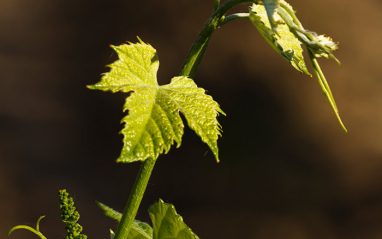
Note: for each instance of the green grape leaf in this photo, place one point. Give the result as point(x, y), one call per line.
point(278, 34)
point(139, 230)
point(153, 122)
point(167, 223)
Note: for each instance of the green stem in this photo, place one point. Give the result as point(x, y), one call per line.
point(205, 45)
point(292, 14)
point(216, 5)
point(235, 16)
point(135, 199)
point(199, 59)
point(197, 51)
point(38, 233)
point(35, 231)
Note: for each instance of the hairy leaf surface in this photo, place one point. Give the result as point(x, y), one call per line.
point(167, 223)
point(153, 122)
point(278, 34)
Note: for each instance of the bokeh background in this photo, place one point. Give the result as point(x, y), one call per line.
point(287, 169)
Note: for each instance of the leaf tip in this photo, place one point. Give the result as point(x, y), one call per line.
point(343, 126)
point(140, 40)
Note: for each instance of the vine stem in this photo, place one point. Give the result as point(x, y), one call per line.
point(135, 199)
point(198, 49)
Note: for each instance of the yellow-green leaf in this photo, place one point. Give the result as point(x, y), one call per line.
point(153, 122)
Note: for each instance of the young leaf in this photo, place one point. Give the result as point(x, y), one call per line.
point(167, 223)
point(153, 122)
point(277, 34)
point(277, 22)
point(139, 230)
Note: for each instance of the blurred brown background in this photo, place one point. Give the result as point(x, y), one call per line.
point(287, 169)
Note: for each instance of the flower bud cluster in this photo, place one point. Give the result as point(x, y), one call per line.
point(70, 216)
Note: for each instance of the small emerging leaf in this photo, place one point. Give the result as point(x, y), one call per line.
point(167, 223)
point(153, 122)
point(278, 36)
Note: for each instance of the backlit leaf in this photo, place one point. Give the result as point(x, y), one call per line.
point(153, 122)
